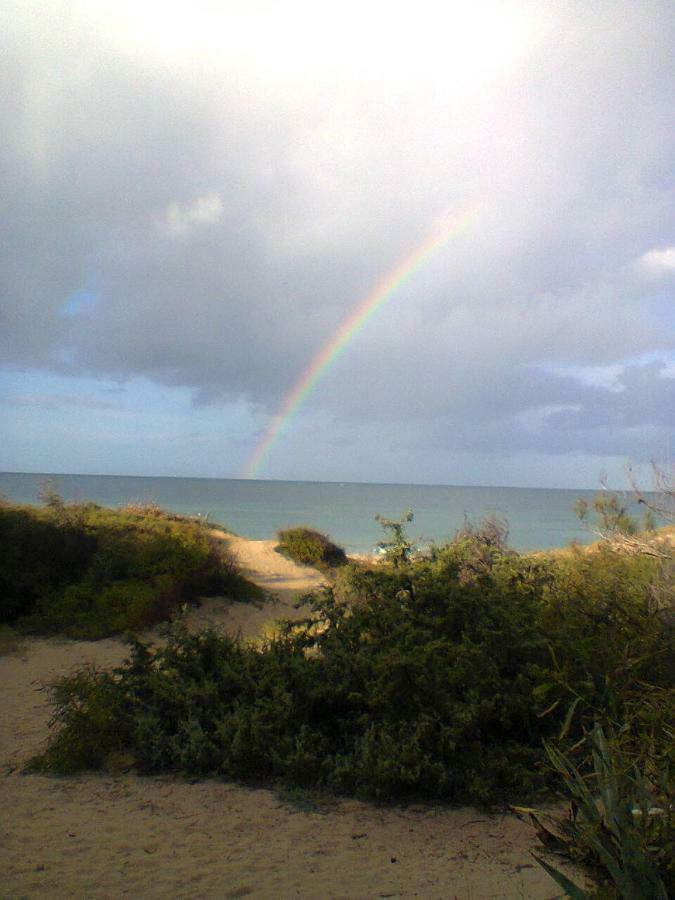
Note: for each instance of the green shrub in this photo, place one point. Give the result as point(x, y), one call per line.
point(604, 640)
point(439, 678)
point(310, 548)
point(88, 704)
point(37, 556)
point(87, 571)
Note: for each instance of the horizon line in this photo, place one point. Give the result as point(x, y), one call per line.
point(338, 481)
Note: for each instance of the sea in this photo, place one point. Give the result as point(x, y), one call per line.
point(537, 518)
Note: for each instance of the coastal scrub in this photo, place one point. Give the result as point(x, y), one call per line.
point(87, 572)
point(441, 679)
point(310, 548)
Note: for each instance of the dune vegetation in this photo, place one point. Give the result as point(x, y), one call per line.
point(467, 673)
point(309, 547)
point(88, 572)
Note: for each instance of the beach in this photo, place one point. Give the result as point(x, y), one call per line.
point(116, 834)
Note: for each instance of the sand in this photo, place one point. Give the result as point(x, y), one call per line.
point(106, 836)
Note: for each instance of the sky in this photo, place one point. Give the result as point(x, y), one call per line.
point(197, 196)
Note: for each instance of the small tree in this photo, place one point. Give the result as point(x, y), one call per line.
point(612, 517)
point(662, 502)
point(50, 497)
point(399, 548)
point(66, 514)
point(621, 532)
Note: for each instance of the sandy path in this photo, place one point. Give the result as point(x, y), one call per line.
point(283, 578)
point(104, 836)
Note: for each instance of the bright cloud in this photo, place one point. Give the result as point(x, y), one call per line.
point(660, 261)
point(455, 44)
point(205, 210)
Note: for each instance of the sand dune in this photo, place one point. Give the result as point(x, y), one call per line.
point(106, 836)
point(278, 575)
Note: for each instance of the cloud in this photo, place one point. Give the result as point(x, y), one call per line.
point(634, 421)
point(55, 401)
point(229, 208)
point(205, 210)
point(658, 262)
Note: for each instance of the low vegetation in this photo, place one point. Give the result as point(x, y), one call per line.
point(470, 673)
point(618, 778)
point(88, 572)
point(310, 548)
point(613, 825)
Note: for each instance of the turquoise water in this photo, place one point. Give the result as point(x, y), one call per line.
point(538, 518)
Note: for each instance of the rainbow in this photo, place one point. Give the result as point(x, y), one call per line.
point(402, 272)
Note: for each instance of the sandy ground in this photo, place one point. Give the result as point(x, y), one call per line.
point(105, 836)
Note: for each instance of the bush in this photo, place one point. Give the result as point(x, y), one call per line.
point(88, 572)
point(37, 556)
point(310, 548)
point(439, 678)
point(605, 642)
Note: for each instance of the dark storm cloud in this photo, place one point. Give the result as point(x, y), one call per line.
point(227, 226)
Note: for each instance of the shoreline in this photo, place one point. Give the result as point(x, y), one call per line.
point(537, 518)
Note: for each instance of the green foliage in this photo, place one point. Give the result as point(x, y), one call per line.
point(440, 678)
point(398, 549)
point(37, 557)
point(88, 707)
point(310, 548)
point(612, 516)
point(611, 519)
point(603, 639)
point(615, 823)
point(87, 571)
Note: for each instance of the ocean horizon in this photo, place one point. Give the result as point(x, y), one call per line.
point(537, 518)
